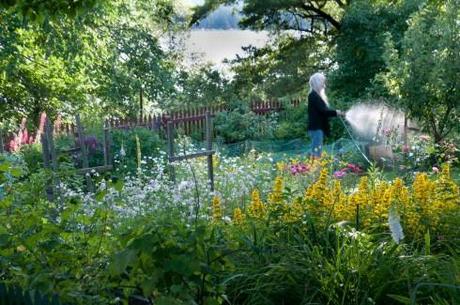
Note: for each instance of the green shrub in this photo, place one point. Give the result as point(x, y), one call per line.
point(236, 125)
point(150, 142)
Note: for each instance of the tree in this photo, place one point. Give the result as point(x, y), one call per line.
point(38, 10)
point(424, 77)
point(310, 16)
point(361, 42)
point(281, 69)
point(40, 71)
point(106, 62)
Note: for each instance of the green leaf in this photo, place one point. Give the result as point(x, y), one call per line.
point(401, 299)
point(122, 260)
point(164, 300)
point(427, 243)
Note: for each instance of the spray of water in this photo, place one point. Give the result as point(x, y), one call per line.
point(370, 122)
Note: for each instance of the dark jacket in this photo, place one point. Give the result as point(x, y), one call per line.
point(319, 113)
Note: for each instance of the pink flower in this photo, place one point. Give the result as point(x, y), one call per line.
point(435, 169)
point(354, 168)
point(424, 137)
point(293, 169)
point(303, 168)
point(298, 169)
point(340, 174)
point(405, 148)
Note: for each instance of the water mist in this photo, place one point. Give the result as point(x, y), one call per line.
point(370, 122)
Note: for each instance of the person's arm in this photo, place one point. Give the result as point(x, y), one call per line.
point(320, 105)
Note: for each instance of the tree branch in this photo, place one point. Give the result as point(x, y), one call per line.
point(322, 14)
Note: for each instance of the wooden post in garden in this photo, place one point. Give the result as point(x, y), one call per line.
point(405, 130)
point(171, 122)
point(1, 142)
point(84, 152)
point(50, 141)
point(170, 134)
point(107, 145)
point(209, 148)
point(49, 159)
point(46, 161)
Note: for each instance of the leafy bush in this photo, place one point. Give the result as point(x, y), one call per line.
point(171, 262)
point(150, 144)
point(235, 126)
point(292, 123)
point(32, 156)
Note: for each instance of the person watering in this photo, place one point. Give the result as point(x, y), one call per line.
point(319, 113)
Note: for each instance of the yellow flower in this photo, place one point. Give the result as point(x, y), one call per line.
point(256, 208)
point(276, 196)
point(280, 166)
point(362, 195)
point(447, 192)
point(295, 212)
point(238, 216)
point(216, 209)
point(318, 189)
point(381, 197)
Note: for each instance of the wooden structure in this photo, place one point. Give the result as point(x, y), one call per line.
point(193, 118)
point(50, 159)
point(2, 145)
point(209, 152)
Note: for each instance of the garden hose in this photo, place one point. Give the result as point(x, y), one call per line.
point(354, 141)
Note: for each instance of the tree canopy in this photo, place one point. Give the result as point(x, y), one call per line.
point(424, 77)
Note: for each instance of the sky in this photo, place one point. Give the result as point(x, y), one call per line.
point(216, 45)
point(193, 2)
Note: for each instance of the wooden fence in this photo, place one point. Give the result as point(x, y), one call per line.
point(188, 121)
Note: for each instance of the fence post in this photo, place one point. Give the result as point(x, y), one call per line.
point(1, 142)
point(46, 161)
point(84, 152)
point(209, 148)
point(170, 134)
point(107, 144)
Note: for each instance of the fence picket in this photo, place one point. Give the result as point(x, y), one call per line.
point(192, 118)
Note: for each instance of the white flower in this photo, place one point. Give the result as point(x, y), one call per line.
point(395, 226)
point(122, 151)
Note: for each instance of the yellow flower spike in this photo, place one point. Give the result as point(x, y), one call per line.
point(381, 199)
point(362, 194)
point(447, 192)
point(238, 216)
point(215, 160)
point(276, 196)
point(256, 207)
point(216, 209)
point(280, 166)
point(421, 189)
point(295, 212)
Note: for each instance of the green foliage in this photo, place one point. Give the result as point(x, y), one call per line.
point(150, 143)
point(99, 63)
point(295, 264)
point(292, 123)
point(171, 262)
point(424, 76)
point(32, 156)
point(16, 296)
point(236, 125)
point(200, 86)
point(38, 10)
point(282, 14)
point(361, 42)
point(281, 69)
